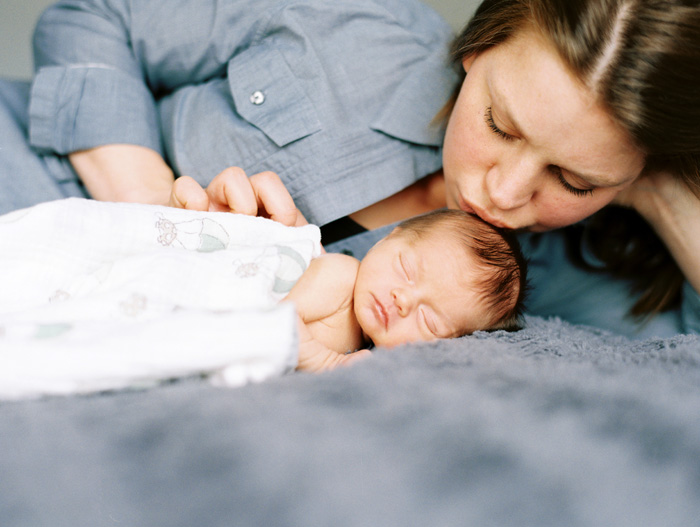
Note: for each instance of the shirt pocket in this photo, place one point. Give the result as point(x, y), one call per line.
point(267, 94)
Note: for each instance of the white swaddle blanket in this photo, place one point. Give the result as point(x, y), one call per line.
point(99, 296)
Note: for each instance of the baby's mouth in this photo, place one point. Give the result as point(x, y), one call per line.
point(381, 312)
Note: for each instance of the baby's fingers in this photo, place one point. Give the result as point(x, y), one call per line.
point(351, 358)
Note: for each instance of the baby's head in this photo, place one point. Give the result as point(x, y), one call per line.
point(440, 275)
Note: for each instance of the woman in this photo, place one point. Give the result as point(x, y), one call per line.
point(617, 122)
point(563, 109)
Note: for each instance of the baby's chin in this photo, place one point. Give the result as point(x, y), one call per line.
point(382, 340)
point(372, 337)
point(378, 336)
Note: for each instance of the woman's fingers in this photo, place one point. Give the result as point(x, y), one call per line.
point(231, 191)
point(186, 193)
point(261, 194)
point(273, 199)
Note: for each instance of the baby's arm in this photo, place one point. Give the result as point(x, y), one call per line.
point(315, 356)
point(323, 297)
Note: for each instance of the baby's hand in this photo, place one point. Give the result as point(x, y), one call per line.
point(315, 356)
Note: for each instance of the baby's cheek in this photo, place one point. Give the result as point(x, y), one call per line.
point(407, 331)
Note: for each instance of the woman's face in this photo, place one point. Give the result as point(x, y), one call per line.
point(527, 145)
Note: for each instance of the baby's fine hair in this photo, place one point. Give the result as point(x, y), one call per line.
point(504, 283)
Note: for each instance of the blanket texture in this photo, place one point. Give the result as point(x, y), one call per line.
point(108, 295)
point(550, 426)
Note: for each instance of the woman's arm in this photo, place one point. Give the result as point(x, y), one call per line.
point(101, 67)
point(209, 84)
point(129, 173)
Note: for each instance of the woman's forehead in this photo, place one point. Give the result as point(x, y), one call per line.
point(531, 87)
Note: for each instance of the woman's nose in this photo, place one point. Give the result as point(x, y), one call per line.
point(510, 185)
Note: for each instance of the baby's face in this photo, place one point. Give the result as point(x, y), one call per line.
point(410, 289)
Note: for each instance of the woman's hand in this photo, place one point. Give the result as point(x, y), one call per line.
point(671, 208)
point(643, 194)
point(261, 194)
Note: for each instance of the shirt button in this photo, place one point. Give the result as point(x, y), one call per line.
point(257, 98)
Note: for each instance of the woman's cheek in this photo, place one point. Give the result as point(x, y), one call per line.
point(566, 211)
point(465, 156)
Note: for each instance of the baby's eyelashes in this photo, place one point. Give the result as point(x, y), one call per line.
point(428, 322)
point(405, 267)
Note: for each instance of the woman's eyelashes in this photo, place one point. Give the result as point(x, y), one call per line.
point(580, 192)
point(488, 116)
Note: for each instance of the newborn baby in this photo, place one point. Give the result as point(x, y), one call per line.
point(439, 275)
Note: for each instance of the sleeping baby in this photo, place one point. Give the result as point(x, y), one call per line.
point(100, 296)
point(439, 275)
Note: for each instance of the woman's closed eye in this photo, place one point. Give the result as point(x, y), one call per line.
point(580, 192)
point(576, 191)
point(488, 116)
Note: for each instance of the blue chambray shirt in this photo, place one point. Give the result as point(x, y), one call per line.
point(337, 97)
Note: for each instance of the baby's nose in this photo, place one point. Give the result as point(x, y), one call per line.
point(403, 300)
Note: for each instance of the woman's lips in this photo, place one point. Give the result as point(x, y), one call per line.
point(380, 312)
point(466, 207)
point(463, 205)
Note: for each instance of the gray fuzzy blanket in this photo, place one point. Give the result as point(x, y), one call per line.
point(554, 425)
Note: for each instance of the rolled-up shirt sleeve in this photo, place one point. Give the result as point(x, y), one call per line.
point(102, 64)
point(89, 88)
point(82, 107)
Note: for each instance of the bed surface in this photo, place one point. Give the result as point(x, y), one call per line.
point(553, 425)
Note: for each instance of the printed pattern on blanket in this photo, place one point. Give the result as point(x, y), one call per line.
point(76, 273)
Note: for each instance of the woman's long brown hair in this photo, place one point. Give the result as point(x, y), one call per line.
point(642, 59)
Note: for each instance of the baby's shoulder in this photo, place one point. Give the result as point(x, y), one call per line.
point(337, 262)
point(333, 274)
point(335, 267)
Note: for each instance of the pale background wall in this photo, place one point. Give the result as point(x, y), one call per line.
point(17, 19)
